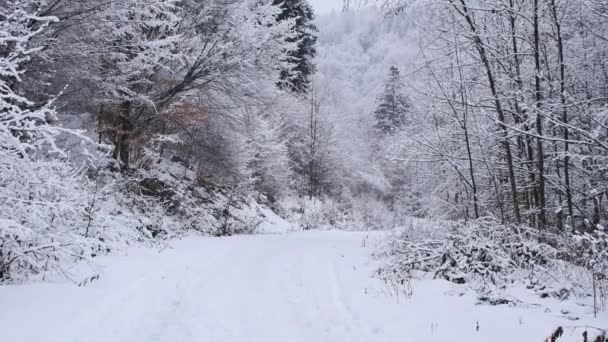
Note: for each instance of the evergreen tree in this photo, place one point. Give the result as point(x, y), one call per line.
point(393, 105)
point(297, 78)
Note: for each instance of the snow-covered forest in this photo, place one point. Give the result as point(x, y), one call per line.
point(395, 170)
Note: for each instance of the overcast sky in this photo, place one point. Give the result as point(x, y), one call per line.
point(325, 6)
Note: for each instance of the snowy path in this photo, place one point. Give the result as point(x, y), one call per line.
point(299, 287)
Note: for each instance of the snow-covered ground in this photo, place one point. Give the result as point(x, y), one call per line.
point(307, 286)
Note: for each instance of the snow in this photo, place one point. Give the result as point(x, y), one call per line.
point(288, 287)
point(273, 223)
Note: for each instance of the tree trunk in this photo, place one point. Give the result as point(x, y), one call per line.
point(499, 110)
point(531, 196)
point(465, 128)
point(123, 135)
point(566, 133)
point(540, 156)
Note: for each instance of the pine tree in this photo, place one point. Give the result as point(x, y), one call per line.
point(297, 78)
point(393, 105)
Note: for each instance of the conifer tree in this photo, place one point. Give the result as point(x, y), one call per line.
point(393, 105)
point(297, 78)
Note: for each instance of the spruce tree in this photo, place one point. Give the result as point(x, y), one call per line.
point(297, 78)
point(393, 105)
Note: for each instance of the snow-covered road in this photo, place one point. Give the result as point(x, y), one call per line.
point(297, 287)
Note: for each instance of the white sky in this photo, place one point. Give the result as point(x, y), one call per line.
point(325, 6)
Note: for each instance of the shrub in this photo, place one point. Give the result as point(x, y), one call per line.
point(312, 214)
point(489, 257)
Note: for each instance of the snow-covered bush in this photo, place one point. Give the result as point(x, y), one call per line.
point(42, 203)
point(489, 257)
point(590, 250)
point(43, 218)
point(167, 201)
point(311, 214)
point(335, 212)
point(371, 213)
point(418, 229)
point(52, 213)
point(359, 213)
